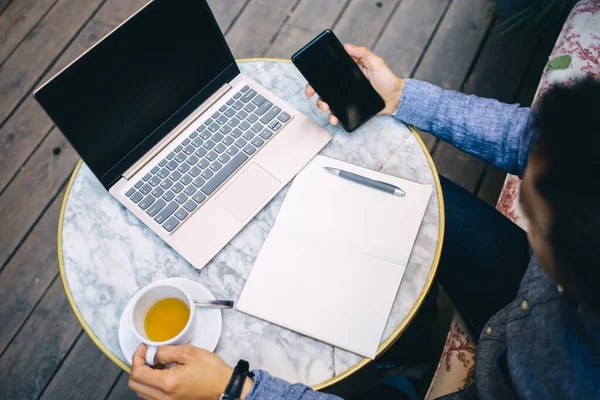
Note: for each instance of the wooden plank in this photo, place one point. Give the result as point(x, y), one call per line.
point(363, 21)
point(32, 190)
point(4, 4)
point(226, 11)
point(32, 358)
point(458, 166)
point(17, 20)
point(408, 32)
point(85, 374)
point(29, 274)
point(35, 54)
point(29, 124)
point(455, 44)
point(262, 18)
point(121, 390)
point(309, 19)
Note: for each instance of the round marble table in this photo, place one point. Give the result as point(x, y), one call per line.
point(106, 254)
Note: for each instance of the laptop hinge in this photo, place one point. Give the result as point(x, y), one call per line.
point(146, 158)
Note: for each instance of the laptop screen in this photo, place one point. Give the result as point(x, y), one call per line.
point(125, 94)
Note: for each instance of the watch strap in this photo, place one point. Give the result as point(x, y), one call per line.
point(234, 388)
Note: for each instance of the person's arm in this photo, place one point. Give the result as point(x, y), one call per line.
point(498, 133)
point(199, 374)
point(267, 387)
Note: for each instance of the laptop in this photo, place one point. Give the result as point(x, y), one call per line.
point(160, 113)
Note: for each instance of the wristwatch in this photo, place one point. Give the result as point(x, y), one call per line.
point(233, 391)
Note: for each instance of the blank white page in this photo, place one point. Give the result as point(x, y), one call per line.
point(332, 263)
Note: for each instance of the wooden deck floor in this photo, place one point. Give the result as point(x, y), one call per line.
point(44, 353)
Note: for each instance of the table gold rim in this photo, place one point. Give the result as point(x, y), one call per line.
point(383, 347)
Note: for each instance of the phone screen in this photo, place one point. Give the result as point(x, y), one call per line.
point(338, 80)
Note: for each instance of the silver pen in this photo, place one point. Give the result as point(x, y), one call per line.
point(384, 187)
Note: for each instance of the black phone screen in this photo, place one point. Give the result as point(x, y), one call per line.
point(338, 80)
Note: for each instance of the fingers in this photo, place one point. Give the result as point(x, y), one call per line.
point(139, 357)
point(143, 374)
point(309, 91)
point(145, 391)
point(333, 119)
point(172, 354)
point(363, 56)
point(322, 105)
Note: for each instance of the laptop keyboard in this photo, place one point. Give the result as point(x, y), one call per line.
point(181, 181)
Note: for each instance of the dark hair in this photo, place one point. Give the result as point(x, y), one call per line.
point(568, 122)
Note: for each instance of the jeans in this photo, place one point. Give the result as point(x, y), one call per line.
point(483, 259)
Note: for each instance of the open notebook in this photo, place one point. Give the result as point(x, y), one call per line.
point(332, 263)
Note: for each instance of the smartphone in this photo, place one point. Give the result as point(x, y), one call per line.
point(338, 80)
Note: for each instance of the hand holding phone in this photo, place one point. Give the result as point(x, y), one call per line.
point(375, 89)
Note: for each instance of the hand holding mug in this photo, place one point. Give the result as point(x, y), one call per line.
point(385, 82)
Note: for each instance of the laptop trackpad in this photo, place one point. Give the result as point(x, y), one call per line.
point(248, 192)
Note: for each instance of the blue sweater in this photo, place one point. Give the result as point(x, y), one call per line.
point(548, 350)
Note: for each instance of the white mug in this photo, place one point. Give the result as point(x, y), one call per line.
point(145, 298)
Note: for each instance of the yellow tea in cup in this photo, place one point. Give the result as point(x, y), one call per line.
point(165, 319)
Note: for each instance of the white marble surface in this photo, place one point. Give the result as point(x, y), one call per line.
point(108, 254)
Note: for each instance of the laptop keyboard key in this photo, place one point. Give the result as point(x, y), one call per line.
point(198, 182)
point(192, 160)
point(166, 212)
point(236, 133)
point(203, 164)
point(228, 140)
point(230, 102)
point(215, 115)
point(167, 183)
point(170, 155)
point(139, 184)
point(268, 117)
point(283, 117)
point(240, 143)
point(245, 89)
point(171, 224)
point(249, 150)
point(178, 148)
point(217, 137)
point(207, 174)
point(213, 127)
point(275, 125)
point(181, 198)
point(147, 176)
point(265, 134)
point(206, 135)
point(146, 201)
point(207, 123)
point(190, 190)
point(130, 192)
point(212, 156)
point(224, 173)
point(175, 176)
point(181, 214)
point(180, 157)
point(216, 166)
point(257, 127)
point(257, 142)
point(252, 118)
point(136, 197)
point(162, 162)
point(198, 197)
point(154, 181)
point(190, 206)
point(264, 108)
point(232, 151)
point(258, 100)
point(220, 148)
point(163, 173)
point(156, 207)
point(209, 144)
point(186, 179)
point(223, 108)
point(224, 158)
point(238, 105)
point(146, 189)
point(234, 122)
point(230, 112)
point(185, 142)
point(172, 165)
point(250, 107)
point(193, 135)
point(195, 171)
point(154, 170)
point(222, 120)
point(237, 95)
point(197, 142)
point(248, 96)
point(225, 129)
point(158, 191)
point(168, 196)
point(189, 150)
point(248, 135)
point(177, 187)
point(201, 152)
point(242, 114)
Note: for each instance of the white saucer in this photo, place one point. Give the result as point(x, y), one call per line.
point(209, 321)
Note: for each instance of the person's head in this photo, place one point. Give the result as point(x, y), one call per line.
point(561, 189)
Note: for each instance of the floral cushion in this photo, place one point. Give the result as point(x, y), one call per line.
point(579, 38)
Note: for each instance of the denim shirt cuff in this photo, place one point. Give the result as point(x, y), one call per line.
point(418, 103)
